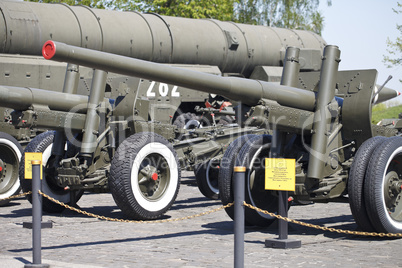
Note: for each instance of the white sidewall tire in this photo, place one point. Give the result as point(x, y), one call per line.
point(16, 185)
point(170, 192)
point(258, 148)
point(395, 224)
point(381, 172)
point(213, 188)
point(65, 198)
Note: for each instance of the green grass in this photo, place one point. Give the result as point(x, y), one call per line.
point(382, 112)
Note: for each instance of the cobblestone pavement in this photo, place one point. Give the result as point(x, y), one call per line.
point(80, 241)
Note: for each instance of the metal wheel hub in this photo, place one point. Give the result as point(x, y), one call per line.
point(150, 180)
point(2, 170)
point(150, 173)
point(392, 190)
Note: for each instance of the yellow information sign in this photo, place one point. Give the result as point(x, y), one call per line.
point(280, 174)
point(29, 157)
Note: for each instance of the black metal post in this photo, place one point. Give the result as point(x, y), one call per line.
point(282, 241)
point(239, 180)
point(290, 76)
point(283, 211)
point(36, 216)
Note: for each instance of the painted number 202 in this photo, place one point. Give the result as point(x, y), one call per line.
point(163, 90)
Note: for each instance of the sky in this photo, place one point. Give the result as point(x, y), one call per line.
point(360, 29)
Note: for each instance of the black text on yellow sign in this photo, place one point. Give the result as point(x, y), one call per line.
point(280, 174)
point(29, 157)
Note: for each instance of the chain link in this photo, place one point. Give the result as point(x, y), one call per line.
point(132, 221)
point(330, 229)
point(323, 228)
point(16, 196)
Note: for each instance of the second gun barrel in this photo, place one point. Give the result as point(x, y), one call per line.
point(248, 91)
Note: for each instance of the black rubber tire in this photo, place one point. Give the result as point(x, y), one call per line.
point(383, 178)
point(206, 175)
point(252, 156)
point(356, 182)
point(10, 155)
point(151, 198)
point(226, 171)
point(182, 120)
point(226, 120)
point(43, 144)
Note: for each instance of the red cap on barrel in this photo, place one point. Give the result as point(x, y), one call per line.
point(49, 49)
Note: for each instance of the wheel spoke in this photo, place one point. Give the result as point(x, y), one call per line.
point(143, 181)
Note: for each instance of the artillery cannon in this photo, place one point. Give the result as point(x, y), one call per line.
point(321, 119)
point(231, 50)
point(325, 168)
point(75, 161)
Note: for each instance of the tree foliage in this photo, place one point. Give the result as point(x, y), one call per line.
point(294, 14)
point(395, 48)
point(197, 9)
point(89, 3)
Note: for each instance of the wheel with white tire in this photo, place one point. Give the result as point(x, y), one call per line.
point(187, 121)
point(10, 155)
point(383, 187)
point(144, 176)
point(252, 156)
point(356, 182)
point(206, 175)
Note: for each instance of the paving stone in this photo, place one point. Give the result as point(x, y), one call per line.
point(80, 241)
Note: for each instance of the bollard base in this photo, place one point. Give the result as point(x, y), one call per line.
point(41, 265)
point(282, 243)
point(46, 224)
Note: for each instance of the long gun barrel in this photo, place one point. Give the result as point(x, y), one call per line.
point(234, 48)
point(22, 98)
point(248, 91)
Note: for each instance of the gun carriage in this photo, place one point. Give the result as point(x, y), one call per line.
point(231, 50)
point(325, 129)
point(320, 117)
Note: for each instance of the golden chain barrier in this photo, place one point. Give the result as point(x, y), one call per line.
point(16, 196)
point(330, 229)
point(132, 221)
point(323, 228)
